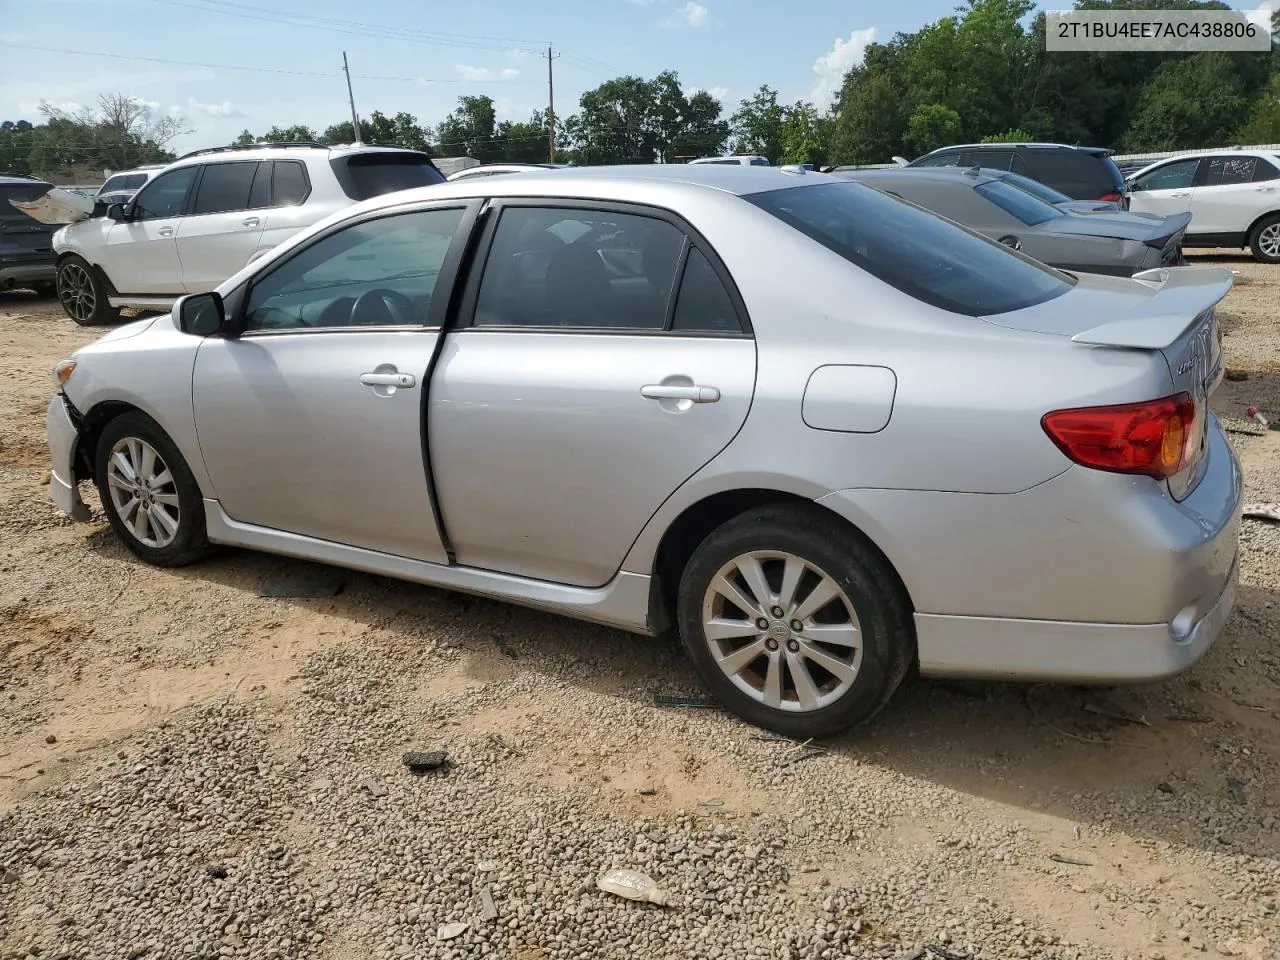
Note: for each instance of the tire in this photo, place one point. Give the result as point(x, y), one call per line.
point(170, 534)
point(1264, 241)
point(865, 594)
point(83, 294)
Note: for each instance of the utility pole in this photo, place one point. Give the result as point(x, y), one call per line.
point(551, 108)
point(351, 98)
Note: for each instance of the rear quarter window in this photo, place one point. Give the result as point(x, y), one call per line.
point(365, 175)
point(910, 249)
point(1080, 175)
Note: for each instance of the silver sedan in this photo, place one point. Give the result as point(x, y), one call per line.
point(823, 434)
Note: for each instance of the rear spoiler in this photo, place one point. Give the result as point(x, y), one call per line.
point(1181, 295)
point(1174, 225)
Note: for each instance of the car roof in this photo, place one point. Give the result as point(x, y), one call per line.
point(282, 151)
point(1272, 155)
point(1029, 146)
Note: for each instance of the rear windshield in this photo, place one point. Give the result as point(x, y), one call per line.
point(366, 175)
point(22, 191)
point(1018, 203)
point(1036, 188)
point(1085, 176)
point(909, 248)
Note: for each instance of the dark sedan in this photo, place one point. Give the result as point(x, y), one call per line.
point(1118, 243)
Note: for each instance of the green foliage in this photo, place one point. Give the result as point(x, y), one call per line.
point(1009, 136)
point(1200, 100)
point(633, 120)
point(932, 125)
point(1263, 125)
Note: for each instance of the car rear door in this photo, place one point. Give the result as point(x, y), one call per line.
point(603, 360)
point(221, 231)
point(310, 421)
point(140, 255)
point(1166, 189)
point(1226, 199)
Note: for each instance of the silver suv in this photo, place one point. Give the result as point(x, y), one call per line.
point(211, 212)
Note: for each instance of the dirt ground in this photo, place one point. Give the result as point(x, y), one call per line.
point(1152, 837)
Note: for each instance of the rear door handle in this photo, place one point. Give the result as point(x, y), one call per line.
point(165, 231)
point(250, 221)
point(675, 391)
point(1265, 189)
point(388, 379)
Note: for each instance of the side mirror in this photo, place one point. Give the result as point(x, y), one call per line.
point(200, 314)
point(116, 212)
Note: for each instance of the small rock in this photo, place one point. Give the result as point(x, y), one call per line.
point(1164, 787)
point(448, 931)
point(800, 827)
point(8, 875)
point(51, 739)
point(217, 872)
point(1236, 789)
point(487, 907)
point(373, 786)
point(420, 761)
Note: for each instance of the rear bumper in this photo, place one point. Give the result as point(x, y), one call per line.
point(27, 271)
point(63, 438)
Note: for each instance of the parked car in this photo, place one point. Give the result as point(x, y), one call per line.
point(120, 187)
point(824, 433)
point(744, 160)
point(1233, 198)
point(26, 245)
point(209, 213)
point(1118, 243)
point(493, 169)
point(1082, 173)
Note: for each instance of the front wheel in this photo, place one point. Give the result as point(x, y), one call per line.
point(150, 497)
point(795, 624)
point(83, 294)
point(1264, 242)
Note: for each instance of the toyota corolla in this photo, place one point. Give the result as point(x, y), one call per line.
point(822, 433)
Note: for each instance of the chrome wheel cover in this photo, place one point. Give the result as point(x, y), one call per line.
point(143, 493)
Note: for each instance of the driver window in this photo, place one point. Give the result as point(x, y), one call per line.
point(165, 196)
point(379, 273)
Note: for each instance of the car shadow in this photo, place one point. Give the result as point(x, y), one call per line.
point(1091, 755)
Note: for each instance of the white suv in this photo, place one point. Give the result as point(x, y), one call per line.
point(211, 212)
point(1233, 197)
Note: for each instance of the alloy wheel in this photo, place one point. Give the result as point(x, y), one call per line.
point(782, 630)
point(75, 290)
point(1269, 240)
point(143, 492)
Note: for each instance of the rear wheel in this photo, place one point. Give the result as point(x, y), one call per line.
point(795, 626)
point(149, 495)
point(83, 294)
point(1264, 242)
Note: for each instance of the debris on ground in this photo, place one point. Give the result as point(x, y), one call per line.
point(1114, 713)
point(1164, 787)
point(1235, 787)
point(498, 741)
point(217, 872)
point(488, 908)
point(674, 700)
point(449, 931)
point(1262, 511)
point(1061, 858)
point(632, 885)
point(373, 786)
point(420, 761)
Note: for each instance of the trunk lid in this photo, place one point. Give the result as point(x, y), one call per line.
point(1169, 311)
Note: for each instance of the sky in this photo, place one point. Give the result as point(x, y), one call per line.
point(249, 65)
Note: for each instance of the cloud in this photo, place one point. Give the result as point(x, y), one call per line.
point(719, 92)
point(32, 108)
point(468, 72)
point(831, 67)
point(691, 16)
point(224, 109)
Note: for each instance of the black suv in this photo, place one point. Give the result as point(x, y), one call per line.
point(26, 245)
point(1082, 173)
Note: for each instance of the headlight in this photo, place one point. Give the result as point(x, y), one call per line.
point(62, 371)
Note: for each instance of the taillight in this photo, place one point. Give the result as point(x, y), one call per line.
point(1157, 438)
point(1112, 198)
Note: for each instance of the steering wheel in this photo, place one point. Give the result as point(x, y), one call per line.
point(382, 307)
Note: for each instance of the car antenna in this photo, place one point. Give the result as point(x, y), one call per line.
point(974, 171)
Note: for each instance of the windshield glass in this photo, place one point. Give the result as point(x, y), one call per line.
point(123, 181)
point(1036, 188)
point(1027, 208)
point(368, 175)
point(909, 248)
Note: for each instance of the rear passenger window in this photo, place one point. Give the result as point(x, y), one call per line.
point(224, 187)
point(1265, 171)
point(991, 159)
point(578, 268)
point(703, 302)
point(260, 192)
point(291, 186)
point(1224, 171)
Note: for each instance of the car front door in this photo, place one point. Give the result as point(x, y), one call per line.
point(603, 360)
point(1166, 190)
point(1227, 199)
point(310, 421)
point(221, 230)
point(141, 252)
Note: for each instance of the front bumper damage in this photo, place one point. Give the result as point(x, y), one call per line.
point(64, 443)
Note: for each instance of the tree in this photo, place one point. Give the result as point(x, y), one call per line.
point(1263, 125)
point(119, 133)
point(1194, 101)
point(803, 135)
point(470, 131)
point(703, 132)
point(931, 126)
point(526, 141)
point(757, 125)
point(614, 123)
point(1009, 136)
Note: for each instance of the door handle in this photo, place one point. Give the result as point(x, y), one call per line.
point(388, 379)
point(165, 231)
point(250, 222)
point(1265, 189)
point(677, 391)
point(1180, 194)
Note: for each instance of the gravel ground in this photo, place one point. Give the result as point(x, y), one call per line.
point(188, 770)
